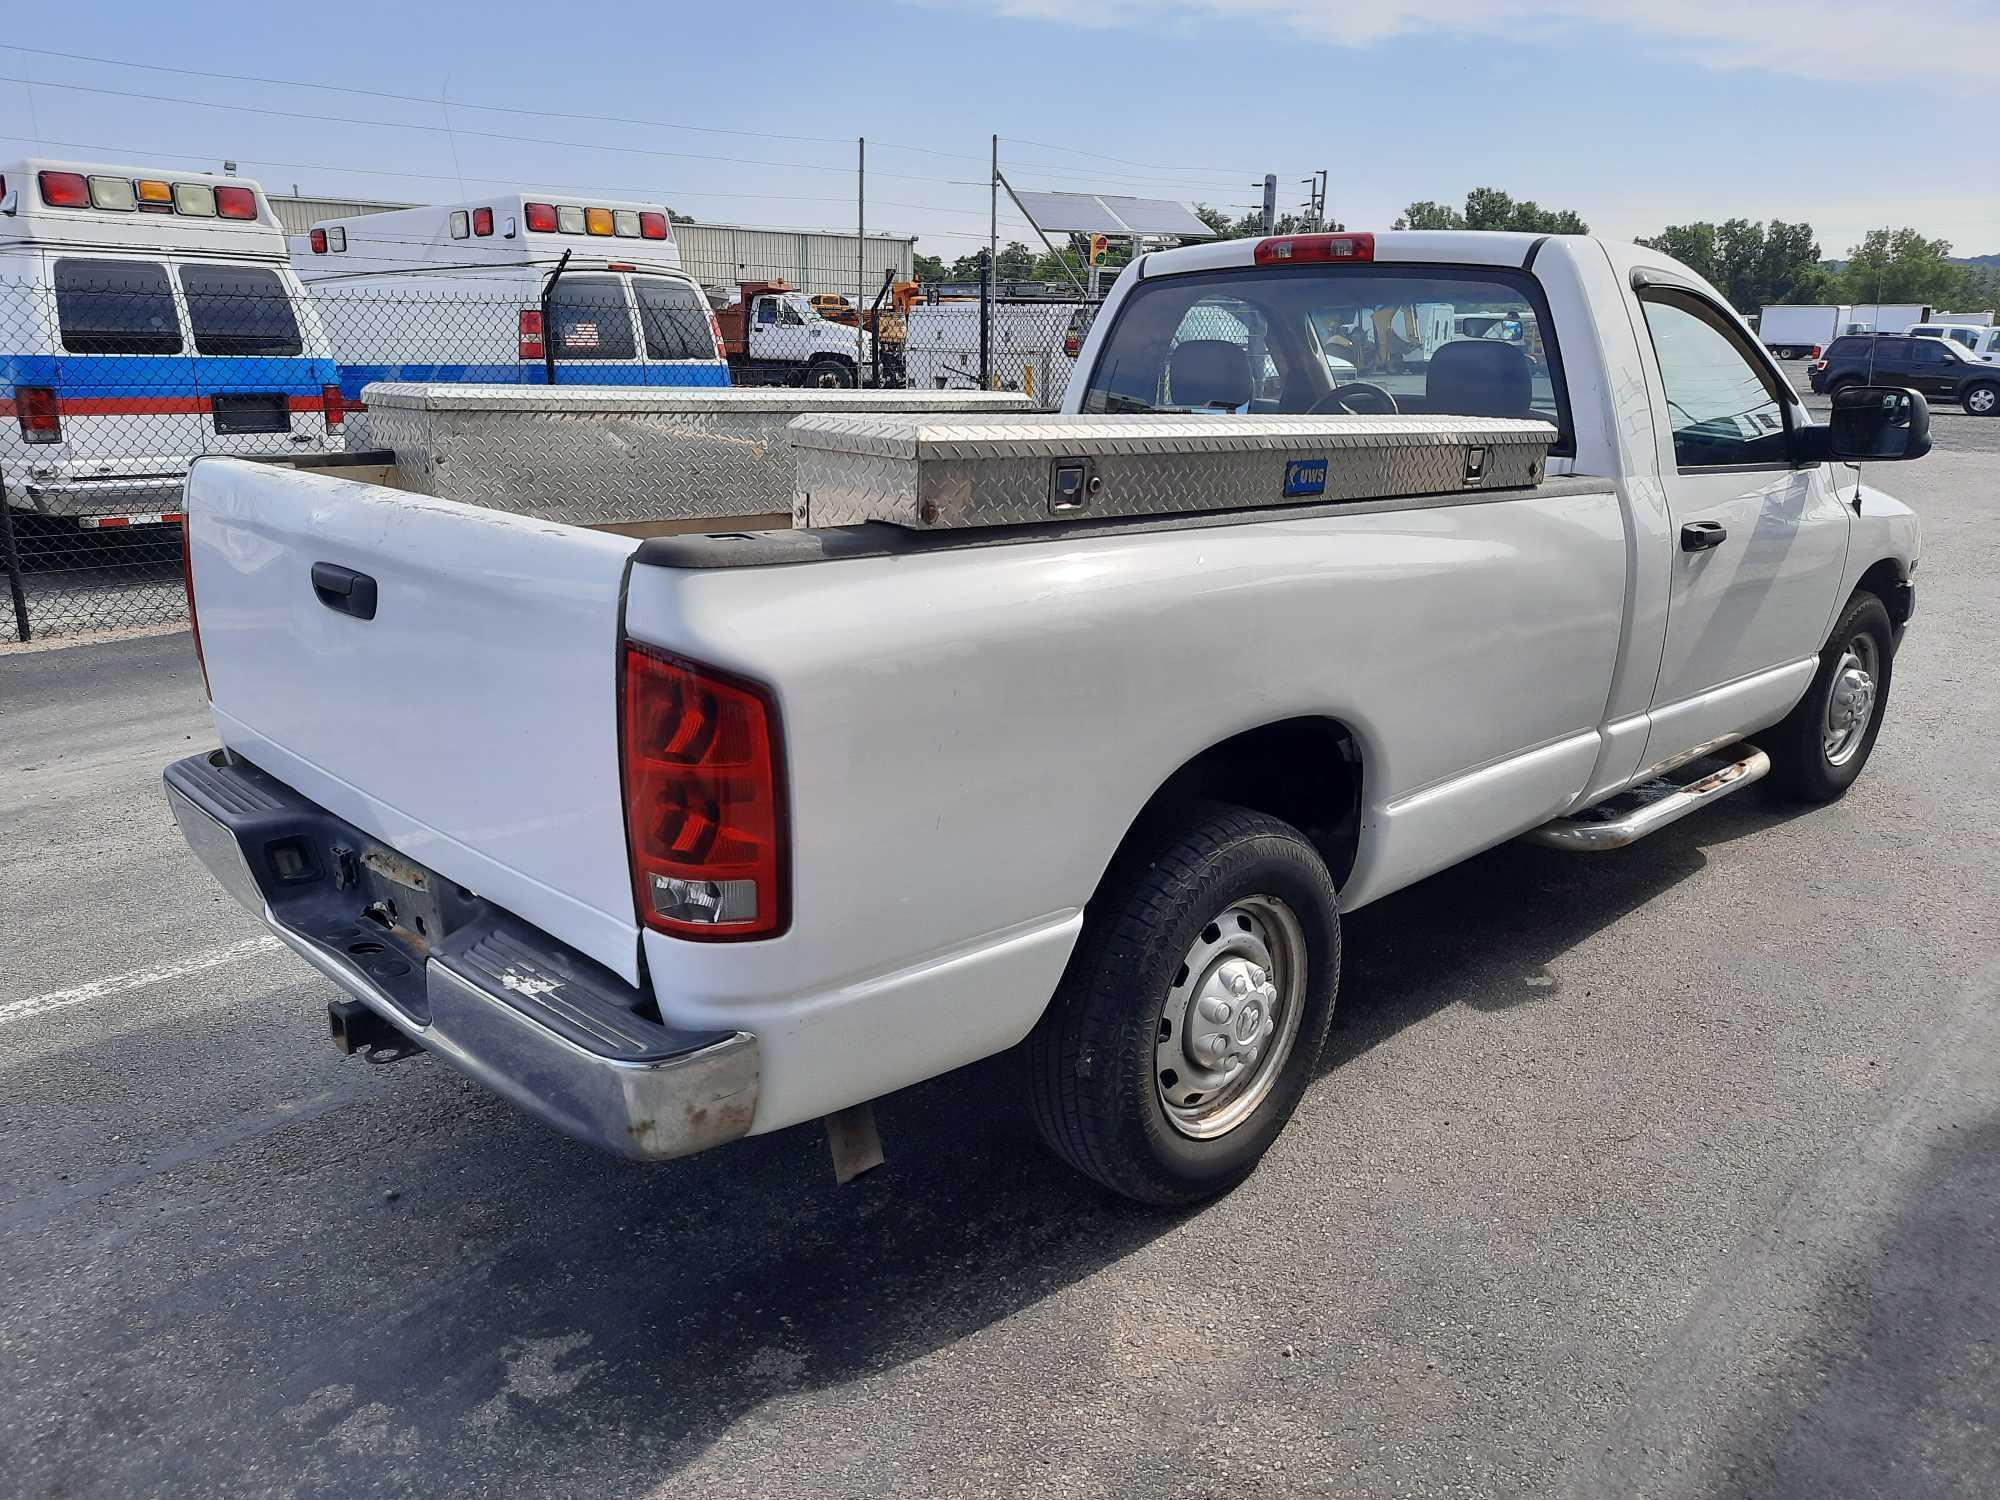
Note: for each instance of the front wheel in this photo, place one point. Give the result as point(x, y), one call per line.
point(829, 375)
point(1820, 748)
point(1983, 400)
point(1194, 1009)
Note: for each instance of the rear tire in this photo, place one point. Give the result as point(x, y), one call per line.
point(1194, 1010)
point(1818, 751)
point(1982, 400)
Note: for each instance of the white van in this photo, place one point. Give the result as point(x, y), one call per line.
point(147, 317)
point(1974, 340)
point(455, 293)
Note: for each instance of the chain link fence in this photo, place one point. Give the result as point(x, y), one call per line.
point(117, 372)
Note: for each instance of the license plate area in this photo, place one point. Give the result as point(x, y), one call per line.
point(250, 413)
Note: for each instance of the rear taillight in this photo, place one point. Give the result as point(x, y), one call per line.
point(653, 226)
point(41, 417)
point(482, 222)
point(541, 217)
point(194, 623)
point(1315, 249)
point(65, 190)
point(1818, 350)
point(317, 239)
point(704, 808)
point(531, 333)
point(715, 328)
point(1072, 346)
point(236, 203)
point(335, 405)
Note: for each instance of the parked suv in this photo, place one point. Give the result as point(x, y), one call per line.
point(1933, 366)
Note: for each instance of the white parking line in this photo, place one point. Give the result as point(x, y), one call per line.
point(35, 1005)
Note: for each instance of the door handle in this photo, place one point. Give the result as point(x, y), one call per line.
point(1699, 536)
point(344, 590)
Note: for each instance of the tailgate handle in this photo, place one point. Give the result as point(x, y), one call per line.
point(344, 589)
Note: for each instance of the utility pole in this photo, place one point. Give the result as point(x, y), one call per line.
point(993, 212)
point(1315, 204)
point(1270, 187)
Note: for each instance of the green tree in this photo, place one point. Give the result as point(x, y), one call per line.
point(927, 267)
point(1900, 265)
point(1750, 263)
point(1016, 262)
point(1491, 208)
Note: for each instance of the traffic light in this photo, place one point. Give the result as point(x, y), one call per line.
point(1098, 245)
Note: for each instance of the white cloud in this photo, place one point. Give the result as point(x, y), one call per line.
point(1819, 39)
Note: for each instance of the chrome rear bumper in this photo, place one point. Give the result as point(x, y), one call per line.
point(502, 1002)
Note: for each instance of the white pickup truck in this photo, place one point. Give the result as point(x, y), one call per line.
point(676, 839)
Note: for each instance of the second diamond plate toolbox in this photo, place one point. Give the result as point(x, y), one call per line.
point(620, 456)
point(932, 471)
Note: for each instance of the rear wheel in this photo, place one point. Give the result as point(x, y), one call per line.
point(1194, 1009)
point(1982, 400)
point(1820, 748)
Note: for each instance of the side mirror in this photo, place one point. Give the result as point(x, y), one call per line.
point(1872, 424)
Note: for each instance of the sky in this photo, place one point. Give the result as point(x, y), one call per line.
point(1847, 115)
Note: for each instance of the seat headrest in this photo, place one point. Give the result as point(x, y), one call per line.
point(1209, 372)
point(1479, 378)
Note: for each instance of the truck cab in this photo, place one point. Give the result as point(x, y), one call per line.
point(775, 334)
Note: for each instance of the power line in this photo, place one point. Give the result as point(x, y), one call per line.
point(1152, 166)
point(493, 135)
point(511, 109)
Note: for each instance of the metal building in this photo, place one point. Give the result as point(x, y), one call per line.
point(814, 260)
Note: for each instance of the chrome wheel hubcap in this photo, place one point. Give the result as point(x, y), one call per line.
point(1850, 705)
point(1228, 1021)
point(1981, 402)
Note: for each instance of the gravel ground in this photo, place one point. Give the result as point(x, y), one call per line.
point(1671, 1172)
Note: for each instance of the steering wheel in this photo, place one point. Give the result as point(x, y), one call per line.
point(1368, 401)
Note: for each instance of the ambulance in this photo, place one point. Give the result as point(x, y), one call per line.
point(146, 317)
point(459, 292)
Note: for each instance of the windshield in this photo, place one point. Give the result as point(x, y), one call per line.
point(1328, 339)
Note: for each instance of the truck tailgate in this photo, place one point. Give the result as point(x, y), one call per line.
point(471, 723)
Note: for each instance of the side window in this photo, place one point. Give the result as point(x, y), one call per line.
point(767, 311)
point(789, 315)
point(590, 319)
point(1930, 351)
point(116, 307)
point(1721, 403)
point(675, 319)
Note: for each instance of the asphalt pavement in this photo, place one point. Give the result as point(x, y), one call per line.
point(1670, 1172)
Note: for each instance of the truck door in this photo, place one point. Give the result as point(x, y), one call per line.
point(1934, 369)
point(590, 323)
point(124, 383)
point(260, 393)
point(1757, 546)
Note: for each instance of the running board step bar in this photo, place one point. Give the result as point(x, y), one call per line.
point(1652, 805)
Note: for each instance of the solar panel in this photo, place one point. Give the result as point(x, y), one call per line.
point(1103, 213)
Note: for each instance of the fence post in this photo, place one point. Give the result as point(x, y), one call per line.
point(13, 562)
point(985, 321)
point(548, 333)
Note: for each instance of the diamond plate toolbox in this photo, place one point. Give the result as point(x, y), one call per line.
point(609, 456)
point(932, 471)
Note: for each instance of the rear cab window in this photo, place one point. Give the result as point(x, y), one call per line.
point(116, 307)
point(589, 319)
point(674, 316)
point(1424, 340)
point(240, 310)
